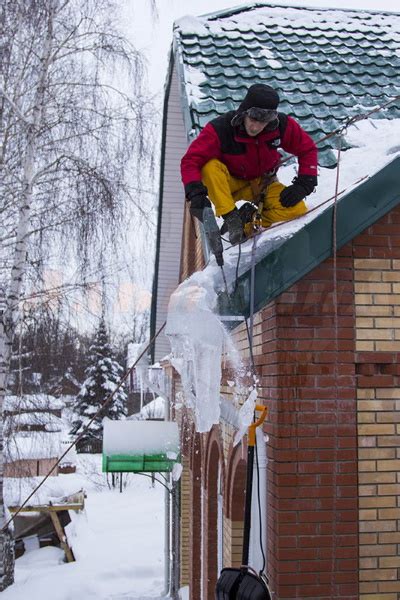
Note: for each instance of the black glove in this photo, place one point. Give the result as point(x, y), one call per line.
point(233, 224)
point(246, 212)
point(300, 188)
point(196, 194)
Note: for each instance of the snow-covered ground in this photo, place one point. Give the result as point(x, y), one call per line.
point(118, 542)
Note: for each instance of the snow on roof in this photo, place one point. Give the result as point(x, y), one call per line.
point(32, 445)
point(375, 144)
point(191, 24)
point(155, 409)
point(140, 437)
point(47, 420)
point(32, 402)
point(54, 489)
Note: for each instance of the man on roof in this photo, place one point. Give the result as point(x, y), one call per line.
point(236, 153)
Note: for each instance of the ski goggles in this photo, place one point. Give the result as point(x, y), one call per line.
point(264, 115)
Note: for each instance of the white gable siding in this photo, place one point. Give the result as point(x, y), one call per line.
point(172, 206)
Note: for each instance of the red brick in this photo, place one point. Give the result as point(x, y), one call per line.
point(377, 357)
point(376, 381)
point(318, 541)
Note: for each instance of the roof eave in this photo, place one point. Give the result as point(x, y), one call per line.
point(313, 243)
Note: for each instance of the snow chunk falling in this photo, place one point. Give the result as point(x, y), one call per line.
point(246, 416)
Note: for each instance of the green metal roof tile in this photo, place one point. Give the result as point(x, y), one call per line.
point(328, 64)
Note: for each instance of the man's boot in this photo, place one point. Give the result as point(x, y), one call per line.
point(234, 225)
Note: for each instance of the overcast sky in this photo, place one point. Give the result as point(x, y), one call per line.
point(153, 33)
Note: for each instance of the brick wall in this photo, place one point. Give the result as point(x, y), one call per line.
point(377, 305)
point(210, 539)
point(334, 430)
point(308, 381)
point(196, 519)
point(377, 298)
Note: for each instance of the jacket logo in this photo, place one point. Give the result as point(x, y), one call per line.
point(275, 143)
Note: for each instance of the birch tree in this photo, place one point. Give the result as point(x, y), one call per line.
point(69, 132)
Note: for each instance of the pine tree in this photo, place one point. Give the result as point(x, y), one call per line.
point(102, 377)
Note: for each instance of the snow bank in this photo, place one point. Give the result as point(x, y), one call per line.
point(117, 541)
point(140, 437)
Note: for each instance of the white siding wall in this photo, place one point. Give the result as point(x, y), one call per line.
point(172, 214)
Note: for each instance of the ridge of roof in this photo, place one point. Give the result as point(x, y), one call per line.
point(227, 12)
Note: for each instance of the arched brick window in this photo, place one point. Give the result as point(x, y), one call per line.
point(234, 503)
point(213, 463)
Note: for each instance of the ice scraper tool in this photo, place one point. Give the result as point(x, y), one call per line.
point(213, 234)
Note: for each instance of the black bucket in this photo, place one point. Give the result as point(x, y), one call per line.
point(235, 584)
point(228, 584)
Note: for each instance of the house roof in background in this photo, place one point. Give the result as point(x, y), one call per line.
point(327, 64)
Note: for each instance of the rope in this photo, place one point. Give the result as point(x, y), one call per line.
point(105, 403)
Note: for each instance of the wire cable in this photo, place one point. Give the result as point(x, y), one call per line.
point(260, 512)
point(250, 336)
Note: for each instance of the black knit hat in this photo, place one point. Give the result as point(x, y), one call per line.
point(261, 96)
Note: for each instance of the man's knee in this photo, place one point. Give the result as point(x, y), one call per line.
point(274, 212)
point(212, 168)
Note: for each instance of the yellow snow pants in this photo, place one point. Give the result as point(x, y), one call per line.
point(224, 190)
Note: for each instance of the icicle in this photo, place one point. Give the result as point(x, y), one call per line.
point(197, 338)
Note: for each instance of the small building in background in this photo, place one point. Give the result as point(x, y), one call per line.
point(35, 436)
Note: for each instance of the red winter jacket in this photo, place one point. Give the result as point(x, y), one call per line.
point(248, 157)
